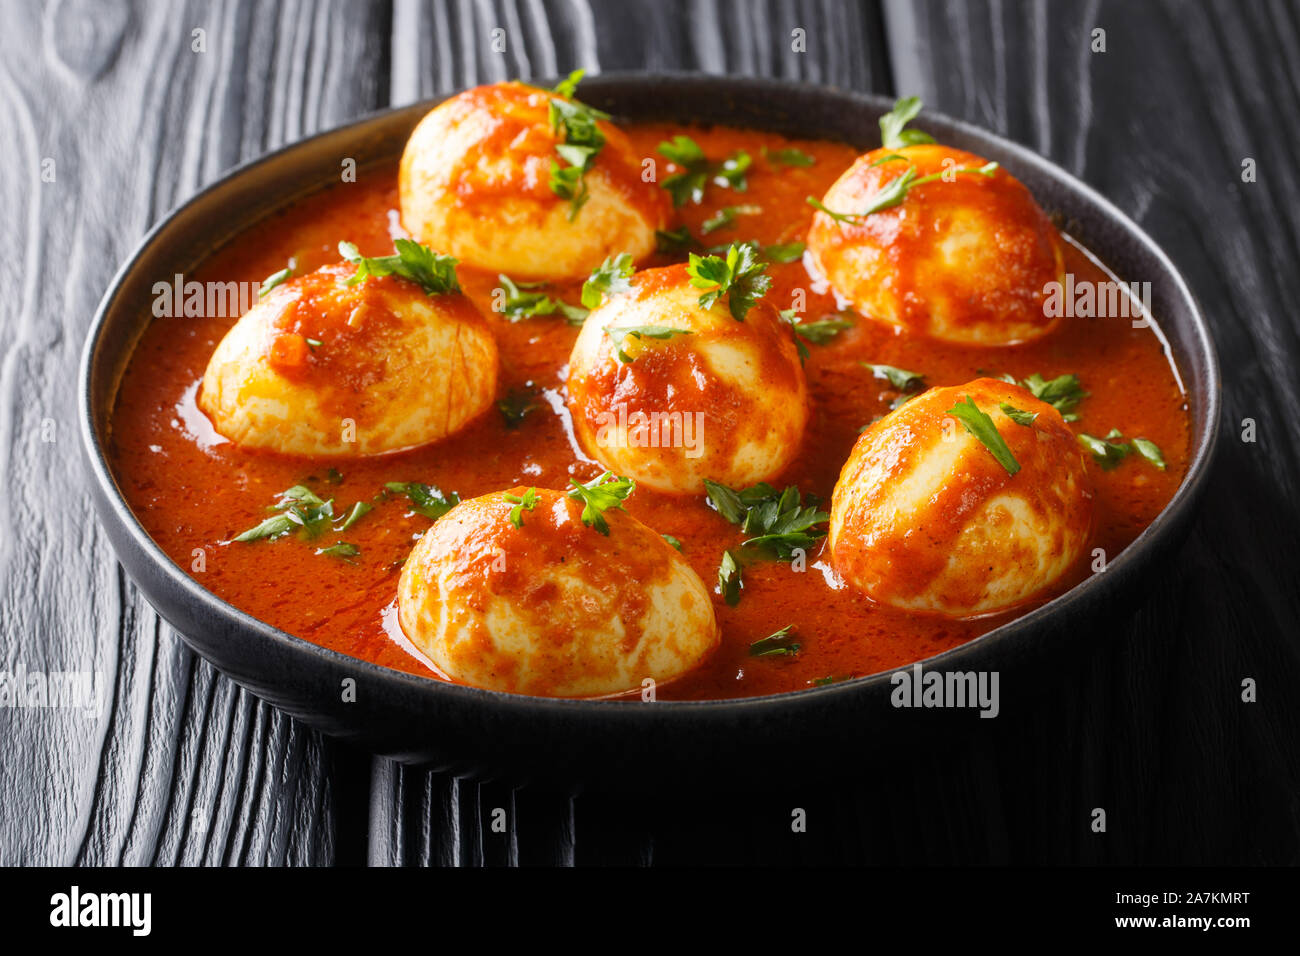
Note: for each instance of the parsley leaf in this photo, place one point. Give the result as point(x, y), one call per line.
point(580, 143)
point(780, 644)
point(725, 218)
point(730, 582)
point(609, 279)
point(342, 550)
point(523, 301)
point(1150, 451)
point(784, 252)
point(620, 333)
point(1063, 393)
point(899, 378)
point(895, 191)
point(427, 500)
point(789, 156)
point(697, 171)
point(359, 511)
point(434, 273)
point(1017, 415)
point(526, 502)
point(778, 522)
point(893, 131)
point(600, 495)
point(516, 406)
point(739, 276)
point(275, 278)
point(673, 541)
point(1111, 450)
point(981, 426)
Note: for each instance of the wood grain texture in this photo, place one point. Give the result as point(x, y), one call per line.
point(180, 766)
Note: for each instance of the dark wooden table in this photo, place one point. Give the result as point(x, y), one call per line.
point(181, 766)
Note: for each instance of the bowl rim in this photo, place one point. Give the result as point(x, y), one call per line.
point(1204, 439)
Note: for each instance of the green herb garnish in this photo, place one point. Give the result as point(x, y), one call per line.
point(673, 541)
point(981, 426)
point(581, 141)
point(899, 378)
point(739, 276)
point(787, 157)
point(1113, 449)
point(620, 333)
point(784, 252)
point(600, 495)
point(725, 218)
point(522, 503)
point(780, 644)
point(427, 500)
point(611, 278)
point(818, 333)
point(698, 170)
point(359, 511)
point(516, 406)
point(1150, 451)
point(777, 522)
point(434, 273)
point(730, 582)
point(1063, 393)
point(342, 550)
point(300, 509)
point(893, 125)
point(275, 278)
point(896, 190)
point(1017, 415)
point(524, 301)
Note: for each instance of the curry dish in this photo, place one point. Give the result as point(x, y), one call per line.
point(565, 406)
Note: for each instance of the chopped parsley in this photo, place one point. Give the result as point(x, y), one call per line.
point(730, 582)
point(359, 511)
point(675, 241)
point(981, 426)
point(739, 276)
point(525, 502)
point(697, 170)
point(523, 300)
point(786, 157)
point(899, 378)
point(896, 190)
point(516, 406)
point(778, 523)
point(1017, 415)
point(600, 495)
point(434, 273)
point(894, 133)
point(784, 252)
point(427, 500)
point(275, 278)
point(1113, 449)
point(342, 550)
point(673, 541)
point(581, 140)
point(818, 333)
point(620, 334)
point(780, 644)
point(302, 510)
point(725, 218)
point(1063, 393)
point(612, 277)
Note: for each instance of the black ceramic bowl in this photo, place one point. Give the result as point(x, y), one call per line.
point(624, 744)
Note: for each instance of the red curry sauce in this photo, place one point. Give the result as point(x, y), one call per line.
point(192, 490)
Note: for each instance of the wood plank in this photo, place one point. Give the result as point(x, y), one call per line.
point(178, 766)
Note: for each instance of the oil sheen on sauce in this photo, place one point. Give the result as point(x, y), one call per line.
point(192, 490)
